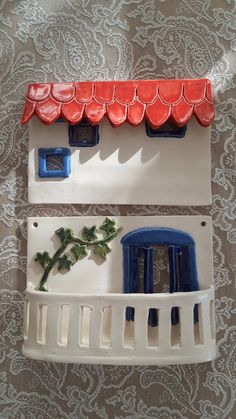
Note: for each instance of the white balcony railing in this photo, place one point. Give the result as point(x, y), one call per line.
point(90, 328)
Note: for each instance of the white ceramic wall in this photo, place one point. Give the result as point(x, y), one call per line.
point(126, 167)
point(92, 275)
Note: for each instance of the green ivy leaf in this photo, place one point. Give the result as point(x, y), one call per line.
point(64, 234)
point(79, 251)
point(65, 262)
point(109, 226)
point(89, 233)
point(43, 258)
point(43, 288)
point(102, 250)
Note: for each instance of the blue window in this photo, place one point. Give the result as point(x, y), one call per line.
point(83, 134)
point(168, 130)
point(182, 265)
point(54, 162)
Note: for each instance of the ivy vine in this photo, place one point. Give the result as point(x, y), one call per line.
point(80, 248)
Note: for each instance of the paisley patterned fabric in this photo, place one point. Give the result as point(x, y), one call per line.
point(69, 40)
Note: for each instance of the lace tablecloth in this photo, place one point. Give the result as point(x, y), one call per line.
point(120, 39)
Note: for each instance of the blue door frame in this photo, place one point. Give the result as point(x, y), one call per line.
point(182, 264)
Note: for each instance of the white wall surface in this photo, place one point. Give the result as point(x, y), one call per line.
point(126, 167)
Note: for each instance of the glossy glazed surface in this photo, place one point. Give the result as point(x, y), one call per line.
point(122, 101)
point(89, 307)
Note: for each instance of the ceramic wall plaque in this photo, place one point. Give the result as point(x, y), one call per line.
point(96, 291)
point(159, 152)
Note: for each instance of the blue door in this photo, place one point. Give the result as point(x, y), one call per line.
point(182, 264)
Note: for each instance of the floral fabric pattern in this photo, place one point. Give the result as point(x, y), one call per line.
point(71, 40)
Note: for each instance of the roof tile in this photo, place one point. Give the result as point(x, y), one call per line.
point(117, 113)
point(63, 92)
point(130, 101)
point(73, 111)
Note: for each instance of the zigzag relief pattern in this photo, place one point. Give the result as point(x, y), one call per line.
point(122, 101)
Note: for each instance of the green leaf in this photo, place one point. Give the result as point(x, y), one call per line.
point(102, 250)
point(79, 251)
point(64, 234)
point(109, 226)
point(65, 262)
point(89, 233)
point(43, 258)
point(42, 288)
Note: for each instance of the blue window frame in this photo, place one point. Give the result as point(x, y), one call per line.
point(182, 265)
point(54, 162)
point(168, 130)
point(83, 134)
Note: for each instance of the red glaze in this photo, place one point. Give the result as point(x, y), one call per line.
point(94, 112)
point(147, 92)
point(125, 92)
point(73, 111)
point(84, 91)
point(171, 91)
point(136, 113)
point(181, 112)
point(29, 110)
point(209, 91)
point(195, 91)
point(117, 113)
point(49, 110)
point(104, 92)
point(157, 113)
point(204, 112)
point(39, 91)
point(131, 101)
point(63, 92)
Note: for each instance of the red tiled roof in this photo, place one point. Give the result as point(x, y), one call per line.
point(121, 101)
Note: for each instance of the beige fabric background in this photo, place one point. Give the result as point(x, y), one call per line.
point(49, 40)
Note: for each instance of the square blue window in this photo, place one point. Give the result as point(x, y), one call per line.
point(83, 134)
point(54, 162)
point(168, 130)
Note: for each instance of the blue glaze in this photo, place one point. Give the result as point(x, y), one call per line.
point(174, 252)
point(182, 264)
point(131, 254)
point(177, 132)
point(148, 282)
point(188, 276)
point(74, 135)
point(44, 172)
point(162, 236)
point(132, 285)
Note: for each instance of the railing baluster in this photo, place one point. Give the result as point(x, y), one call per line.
point(95, 327)
point(52, 325)
point(117, 328)
point(33, 323)
point(140, 327)
point(164, 328)
point(26, 319)
point(186, 326)
point(206, 326)
point(74, 325)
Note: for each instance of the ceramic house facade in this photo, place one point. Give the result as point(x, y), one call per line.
point(108, 309)
point(162, 139)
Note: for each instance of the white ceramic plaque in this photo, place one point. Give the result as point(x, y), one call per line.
point(82, 316)
point(126, 167)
